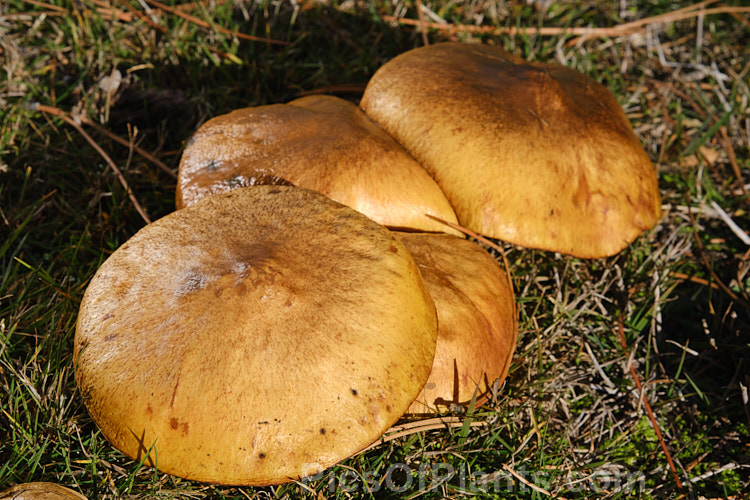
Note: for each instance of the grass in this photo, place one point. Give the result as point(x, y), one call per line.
point(569, 420)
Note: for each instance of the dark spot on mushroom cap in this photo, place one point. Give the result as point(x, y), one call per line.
point(262, 455)
point(354, 392)
point(237, 181)
point(212, 164)
point(173, 423)
point(322, 430)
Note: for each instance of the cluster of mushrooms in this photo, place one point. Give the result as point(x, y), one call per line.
point(306, 293)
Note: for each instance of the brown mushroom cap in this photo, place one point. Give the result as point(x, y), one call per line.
point(535, 154)
point(255, 337)
point(321, 143)
point(477, 326)
point(40, 491)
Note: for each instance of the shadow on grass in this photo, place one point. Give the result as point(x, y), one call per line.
point(704, 347)
point(162, 104)
point(329, 49)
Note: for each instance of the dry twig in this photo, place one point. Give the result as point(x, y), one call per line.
point(694, 279)
point(106, 10)
point(143, 17)
point(529, 483)
point(430, 424)
point(70, 121)
point(702, 255)
point(585, 32)
point(422, 26)
point(654, 423)
point(82, 119)
point(55, 8)
point(732, 157)
point(737, 230)
point(204, 24)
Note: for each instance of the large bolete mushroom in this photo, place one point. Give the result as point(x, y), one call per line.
point(536, 154)
point(477, 325)
point(321, 143)
point(254, 337)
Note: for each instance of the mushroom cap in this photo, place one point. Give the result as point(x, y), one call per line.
point(40, 491)
point(321, 143)
point(477, 325)
point(536, 154)
point(255, 337)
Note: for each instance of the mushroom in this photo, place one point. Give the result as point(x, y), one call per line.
point(254, 337)
point(318, 142)
point(40, 491)
point(535, 154)
point(477, 326)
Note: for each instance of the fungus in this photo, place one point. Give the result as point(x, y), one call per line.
point(535, 154)
point(40, 491)
point(477, 327)
point(254, 337)
point(321, 143)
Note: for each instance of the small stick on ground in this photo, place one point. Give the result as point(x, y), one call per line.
point(59, 112)
point(732, 157)
point(529, 483)
point(144, 17)
point(55, 8)
point(654, 424)
point(422, 27)
point(737, 230)
point(745, 304)
point(422, 428)
point(204, 24)
point(70, 121)
point(585, 32)
point(694, 279)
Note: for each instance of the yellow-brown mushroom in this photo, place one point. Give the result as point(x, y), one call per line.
point(321, 143)
point(477, 326)
point(536, 154)
point(40, 491)
point(254, 337)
